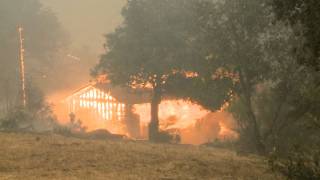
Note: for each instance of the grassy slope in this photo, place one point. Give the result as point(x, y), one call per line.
point(27, 156)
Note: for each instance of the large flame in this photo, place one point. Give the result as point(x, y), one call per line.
point(185, 112)
point(194, 124)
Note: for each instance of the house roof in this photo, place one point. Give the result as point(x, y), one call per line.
point(122, 94)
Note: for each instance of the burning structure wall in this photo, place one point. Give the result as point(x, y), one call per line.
point(194, 124)
point(102, 104)
point(121, 112)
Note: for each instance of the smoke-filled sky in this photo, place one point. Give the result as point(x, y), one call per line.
point(87, 20)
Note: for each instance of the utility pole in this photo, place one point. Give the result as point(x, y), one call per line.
point(22, 68)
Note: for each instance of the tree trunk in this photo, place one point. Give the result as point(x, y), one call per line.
point(254, 126)
point(154, 123)
point(260, 147)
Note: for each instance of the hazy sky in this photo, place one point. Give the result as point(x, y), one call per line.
point(88, 20)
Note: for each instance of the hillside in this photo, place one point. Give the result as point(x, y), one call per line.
point(30, 156)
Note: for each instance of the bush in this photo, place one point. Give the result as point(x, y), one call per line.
point(62, 130)
point(225, 144)
point(164, 137)
point(298, 165)
point(23, 119)
point(17, 120)
point(75, 125)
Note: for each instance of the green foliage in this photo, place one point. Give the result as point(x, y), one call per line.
point(150, 44)
point(272, 95)
point(218, 52)
point(214, 93)
point(232, 62)
point(297, 164)
point(307, 15)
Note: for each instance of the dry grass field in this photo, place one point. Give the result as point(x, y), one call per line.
point(31, 156)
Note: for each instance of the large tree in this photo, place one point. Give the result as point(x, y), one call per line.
point(150, 46)
point(231, 63)
point(304, 18)
point(270, 93)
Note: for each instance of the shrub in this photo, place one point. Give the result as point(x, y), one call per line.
point(298, 165)
point(17, 120)
point(164, 137)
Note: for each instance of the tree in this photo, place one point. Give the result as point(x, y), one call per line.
point(229, 41)
point(37, 116)
point(270, 95)
point(43, 38)
point(305, 14)
point(304, 18)
point(149, 47)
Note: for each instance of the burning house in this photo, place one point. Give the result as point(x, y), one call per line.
point(126, 111)
point(109, 107)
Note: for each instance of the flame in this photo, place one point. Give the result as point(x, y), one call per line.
point(194, 124)
point(226, 132)
point(105, 108)
point(96, 110)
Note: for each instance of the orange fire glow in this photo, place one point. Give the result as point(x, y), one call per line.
point(194, 124)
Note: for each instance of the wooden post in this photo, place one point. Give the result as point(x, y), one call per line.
point(22, 68)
